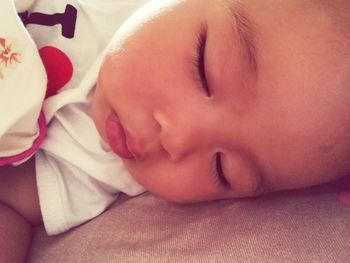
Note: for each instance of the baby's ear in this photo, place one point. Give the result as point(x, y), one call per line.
point(23, 5)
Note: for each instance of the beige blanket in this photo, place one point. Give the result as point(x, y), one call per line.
point(309, 225)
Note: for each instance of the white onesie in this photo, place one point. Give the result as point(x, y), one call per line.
point(78, 176)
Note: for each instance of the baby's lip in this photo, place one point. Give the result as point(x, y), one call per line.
point(116, 137)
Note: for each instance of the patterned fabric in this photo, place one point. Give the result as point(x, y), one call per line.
point(22, 89)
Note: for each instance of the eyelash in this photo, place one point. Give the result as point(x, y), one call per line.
point(217, 171)
point(199, 61)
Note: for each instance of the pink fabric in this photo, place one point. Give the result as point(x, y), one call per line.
point(33, 149)
point(344, 190)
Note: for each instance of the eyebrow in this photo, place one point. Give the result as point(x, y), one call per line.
point(243, 25)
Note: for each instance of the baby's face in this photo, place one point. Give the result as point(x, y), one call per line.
point(217, 99)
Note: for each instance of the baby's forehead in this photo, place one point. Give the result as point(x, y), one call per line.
point(248, 28)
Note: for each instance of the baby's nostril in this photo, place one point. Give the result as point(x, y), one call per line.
point(160, 119)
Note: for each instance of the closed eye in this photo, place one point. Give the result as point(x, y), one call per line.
point(200, 60)
point(218, 172)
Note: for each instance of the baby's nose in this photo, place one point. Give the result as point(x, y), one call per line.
point(181, 137)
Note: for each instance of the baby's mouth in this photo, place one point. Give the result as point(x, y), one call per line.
point(116, 137)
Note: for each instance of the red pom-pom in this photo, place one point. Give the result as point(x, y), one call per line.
point(59, 69)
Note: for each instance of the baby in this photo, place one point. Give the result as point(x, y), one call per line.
point(202, 100)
